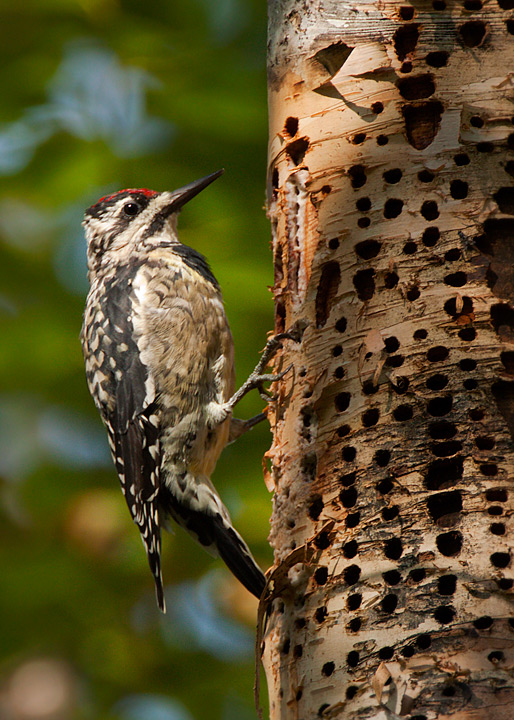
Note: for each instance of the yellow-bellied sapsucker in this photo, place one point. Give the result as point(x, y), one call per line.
point(160, 366)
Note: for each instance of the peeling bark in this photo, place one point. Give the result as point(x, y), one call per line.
point(391, 202)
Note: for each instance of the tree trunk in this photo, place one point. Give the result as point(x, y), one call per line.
point(391, 202)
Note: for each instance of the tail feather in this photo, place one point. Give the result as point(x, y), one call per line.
point(214, 532)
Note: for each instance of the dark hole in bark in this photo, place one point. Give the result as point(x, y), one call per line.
point(348, 479)
point(286, 645)
point(321, 575)
point(333, 57)
point(449, 691)
point(408, 651)
point(352, 658)
point(444, 503)
point(405, 40)
point(413, 294)
point(368, 249)
point(280, 316)
point(364, 283)
point(393, 176)
point(417, 575)
point(382, 140)
point(429, 210)
point(509, 167)
point(473, 5)
point(392, 577)
point(350, 549)
point(449, 544)
point(485, 147)
point(385, 486)
point(446, 449)
point(484, 442)
point(420, 334)
point(349, 453)
point(500, 559)
point(391, 280)
point(437, 59)
point(472, 32)
point(439, 4)
point(392, 208)
point(342, 401)
point(358, 138)
point(390, 513)
point(410, 248)
point(382, 457)
point(430, 236)
point(328, 668)
point(337, 350)
point(291, 126)
point(351, 575)
point(363, 204)
point(483, 623)
point(352, 519)
point(465, 303)
point(476, 121)
point(377, 107)
point(424, 641)
point(437, 382)
point(505, 200)
point(458, 189)
point(444, 614)
point(354, 625)
point(348, 497)
point(425, 176)
point(322, 540)
point(351, 691)
point(467, 364)
point(316, 508)
point(422, 122)
point(437, 407)
point(341, 325)
point(461, 159)
point(406, 12)
point(489, 469)
point(391, 344)
point(417, 87)
point(344, 430)
point(364, 222)
point(389, 603)
point(444, 473)
point(370, 417)
point(497, 495)
point(495, 510)
point(297, 149)
point(457, 279)
point(496, 656)
point(442, 430)
point(275, 179)
point(393, 548)
point(386, 653)
point(357, 176)
point(333, 243)
point(447, 584)
point(468, 334)
point(354, 601)
point(403, 413)
point(327, 291)
point(321, 614)
point(505, 583)
point(497, 528)
point(503, 393)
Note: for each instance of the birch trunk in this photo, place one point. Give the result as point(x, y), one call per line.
point(391, 202)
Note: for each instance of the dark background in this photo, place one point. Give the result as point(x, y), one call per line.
point(99, 95)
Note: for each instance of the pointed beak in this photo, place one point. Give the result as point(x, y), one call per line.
point(178, 198)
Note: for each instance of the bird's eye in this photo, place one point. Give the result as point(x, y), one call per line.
point(131, 208)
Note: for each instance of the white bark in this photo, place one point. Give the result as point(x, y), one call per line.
point(391, 202)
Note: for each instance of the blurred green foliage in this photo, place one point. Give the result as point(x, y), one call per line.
point(99, 95)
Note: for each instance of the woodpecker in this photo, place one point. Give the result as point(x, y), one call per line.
point(159, 360)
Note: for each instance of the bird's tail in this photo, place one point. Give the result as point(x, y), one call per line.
point(195, 505)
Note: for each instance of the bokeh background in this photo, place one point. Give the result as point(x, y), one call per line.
point(97, 95)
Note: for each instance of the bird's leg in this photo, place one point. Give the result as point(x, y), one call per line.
point(238, 427)
point(257, 378)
